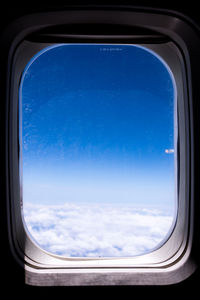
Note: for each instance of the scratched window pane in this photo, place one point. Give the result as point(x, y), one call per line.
point(98, 150)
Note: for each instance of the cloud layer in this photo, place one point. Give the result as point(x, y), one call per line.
point(104, 230)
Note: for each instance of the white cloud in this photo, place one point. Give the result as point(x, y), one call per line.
point(96, 230)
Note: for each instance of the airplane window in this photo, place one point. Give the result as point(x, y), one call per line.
point(98, 144)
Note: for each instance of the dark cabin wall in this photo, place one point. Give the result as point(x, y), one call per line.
point(12, 280)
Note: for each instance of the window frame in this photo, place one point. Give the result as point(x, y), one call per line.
point(26, 50)
point(41, 268)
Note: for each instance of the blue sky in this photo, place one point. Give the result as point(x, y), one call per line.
point(96, 121)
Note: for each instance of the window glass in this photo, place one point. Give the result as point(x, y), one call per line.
point(98, 150)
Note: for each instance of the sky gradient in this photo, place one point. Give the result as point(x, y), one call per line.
point(95, 113)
